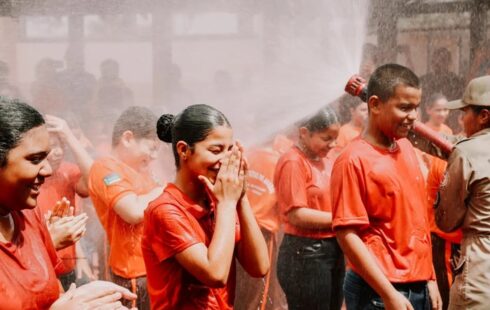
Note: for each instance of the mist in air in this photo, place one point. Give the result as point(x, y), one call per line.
point(265, 64)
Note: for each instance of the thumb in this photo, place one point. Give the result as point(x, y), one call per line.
point(70, 293)
point(206, 182)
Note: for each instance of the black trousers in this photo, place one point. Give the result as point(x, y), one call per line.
point(311, 273)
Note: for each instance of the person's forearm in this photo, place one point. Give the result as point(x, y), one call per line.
point(82, 157)
point(358, 254)
point(222, 245)
point(310, 219)
point(252, 250)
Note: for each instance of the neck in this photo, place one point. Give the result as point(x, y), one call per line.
point(190, 186)
point(307, 151)
point(7, 227)
point(434, 124)
point(357, 124)
point(376, 137)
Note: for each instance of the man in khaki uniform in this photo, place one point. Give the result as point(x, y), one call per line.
point(465, 199)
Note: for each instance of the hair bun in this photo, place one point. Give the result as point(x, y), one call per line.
point(164, 127)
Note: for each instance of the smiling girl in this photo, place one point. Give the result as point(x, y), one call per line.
point(203, 220)
point(310, 263)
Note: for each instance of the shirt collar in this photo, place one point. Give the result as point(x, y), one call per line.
point(187, 203)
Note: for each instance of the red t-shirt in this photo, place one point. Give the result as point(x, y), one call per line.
point(61, 184)
point(260, 187)
point(173, 222)
point(29, 265)
point(109, 181)
point(382, 194)
point(302, 183)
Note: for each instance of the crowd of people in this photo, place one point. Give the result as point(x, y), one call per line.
point(345, 209)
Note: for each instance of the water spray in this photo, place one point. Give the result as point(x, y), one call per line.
point(356, 86)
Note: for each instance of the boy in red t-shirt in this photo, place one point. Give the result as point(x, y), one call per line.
point(121, 187)
point(379, 203)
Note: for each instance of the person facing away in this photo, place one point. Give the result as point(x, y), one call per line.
point(464, 198)
point(202, 221)
point(121, 186)
point(379, 203)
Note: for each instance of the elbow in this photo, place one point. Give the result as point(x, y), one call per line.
point(260, 270)
point(216, 281)
point(135, 220)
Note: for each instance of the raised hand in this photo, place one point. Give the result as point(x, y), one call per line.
point(59, 126)
point(64, 228)
point(229, 183)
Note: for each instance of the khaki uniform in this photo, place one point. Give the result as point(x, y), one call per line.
point(465, 202)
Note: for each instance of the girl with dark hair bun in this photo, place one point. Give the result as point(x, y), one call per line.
point(310, 265)
point(203, 220)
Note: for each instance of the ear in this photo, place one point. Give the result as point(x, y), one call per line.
point(127, 137)
point(183, 149)
point(303, 131)
point(374, 104)
point(484, 118)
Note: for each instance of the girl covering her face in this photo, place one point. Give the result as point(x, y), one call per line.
point(203, 221)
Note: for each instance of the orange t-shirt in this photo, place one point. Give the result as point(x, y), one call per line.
point(347, 133)
point(29, 264)
point(382, 194)
point(109, 181)
point(173, 222)
point(434, 179)
point(61, 184)
point(260, 187)
point(302, 183)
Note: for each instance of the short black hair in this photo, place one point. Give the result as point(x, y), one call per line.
point(16, 118)
point(139, 120)
point(387, 77)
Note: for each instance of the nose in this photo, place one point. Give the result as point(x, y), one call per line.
point(46, 169)
point(332, 143)
point(412, 115)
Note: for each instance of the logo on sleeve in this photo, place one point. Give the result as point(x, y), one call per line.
point(112, 178)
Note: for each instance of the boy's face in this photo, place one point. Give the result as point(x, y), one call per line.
point(396, 116)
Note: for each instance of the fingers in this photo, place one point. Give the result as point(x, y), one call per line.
point(62, 208)
point(206, 182)
point(110, 301)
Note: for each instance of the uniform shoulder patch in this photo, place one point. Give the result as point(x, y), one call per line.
point(112, 178)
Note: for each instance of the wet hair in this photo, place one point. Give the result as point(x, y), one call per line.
point(191, 126)
point(139, 120)
point(433, 98)
point(16, 118)
point(387, 77)
point(324, 118)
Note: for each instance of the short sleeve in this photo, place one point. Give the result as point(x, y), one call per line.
point(109, 184)
point(348, 208)
point(173, 231)
point(56, 262)
point(74, 174)
point(291, 186)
